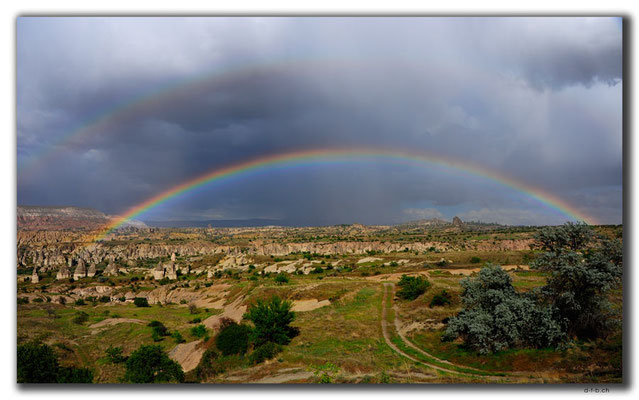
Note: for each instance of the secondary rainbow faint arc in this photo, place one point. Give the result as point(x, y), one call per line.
point(298, 157)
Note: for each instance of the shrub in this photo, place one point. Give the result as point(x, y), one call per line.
point(440, 299)
point(208, 365)
point(233, 339)
point(38, 300)
point(159, 330)
point(177, 337)
point(80, 318)
point(105, 299)
point(80, 302)
point(23, 300)
point(317, 270)
point(195, 320)
point(281, 278)
point(114, 355)
point(141, 302)
point(198, 331)
point(495, 317)
point(150, 364)
point(475, 260)
point(272, 321)
point(264, 352)
point(37, 363)
point(324, 373)
point(193, 309)
point(411, 287)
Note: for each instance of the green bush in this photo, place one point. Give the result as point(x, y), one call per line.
point(105, 299)
point(281, 278)
point(23, 300)
point(38, 300)
point(37, 363)
point(272, 321)
point(80, 318)
point(198, 331)
point(141, 302)
point(114, 355)
point(233, 339)
point(411, 287)
point(496, 317)
point(440, 299)
point(80, 302)
point(264, 352)
point(208, 366)
point(177, 336)
point(149, 364)
point(475, 260)
point(195, 320)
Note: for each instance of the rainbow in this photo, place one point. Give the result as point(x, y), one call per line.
point(337, 154)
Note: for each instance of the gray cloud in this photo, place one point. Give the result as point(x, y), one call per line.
point(538, 100)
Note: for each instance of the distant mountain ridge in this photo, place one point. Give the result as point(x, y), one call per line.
point(66, 217)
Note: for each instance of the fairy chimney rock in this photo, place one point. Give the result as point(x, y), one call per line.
point(34, 277)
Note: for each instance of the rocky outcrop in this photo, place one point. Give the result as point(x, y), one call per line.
point(63, 218)
point(63, 273)
point(34, 276)
point(80, 271)
point(457, 221)
point(92, 270)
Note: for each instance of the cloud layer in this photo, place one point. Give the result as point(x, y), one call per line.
point(537, 99)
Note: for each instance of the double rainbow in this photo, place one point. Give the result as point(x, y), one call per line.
point(328, 155)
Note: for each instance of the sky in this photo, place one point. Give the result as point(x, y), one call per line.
point(113, 111)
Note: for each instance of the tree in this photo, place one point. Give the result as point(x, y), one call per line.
point(495, 317)
point(149, 364)
point(37, 363)
point(141, 302)
point(272, 321)
point(583, 269)
point(233, 339)
point(411, 287)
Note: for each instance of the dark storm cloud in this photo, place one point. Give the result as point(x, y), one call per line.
point(538, 100)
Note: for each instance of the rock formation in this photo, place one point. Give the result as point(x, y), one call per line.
point(63, 273)
point(91, 271)
point(111, 270)
point(34, 276)
point(457, 221)
point(80, 271)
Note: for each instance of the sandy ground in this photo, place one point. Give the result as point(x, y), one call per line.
point(470, 271)
point(368, 259)
point(234, 311)
point(188, 355)
point(396, 276)
point(309, 305)
point(114, 321)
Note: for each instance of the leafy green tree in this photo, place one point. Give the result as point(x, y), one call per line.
point(198, 331)
point(495, 317)
point(37, 363)
point(264, 352)
point(233, 339)
point(141, 302)
point(281, 278)
point(149, 364)
point(272, 320)
point(114, 354)
point(411, 287)
point(583, 269)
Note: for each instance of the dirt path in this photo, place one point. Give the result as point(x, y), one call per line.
point(388, 291)
point(518, 376)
